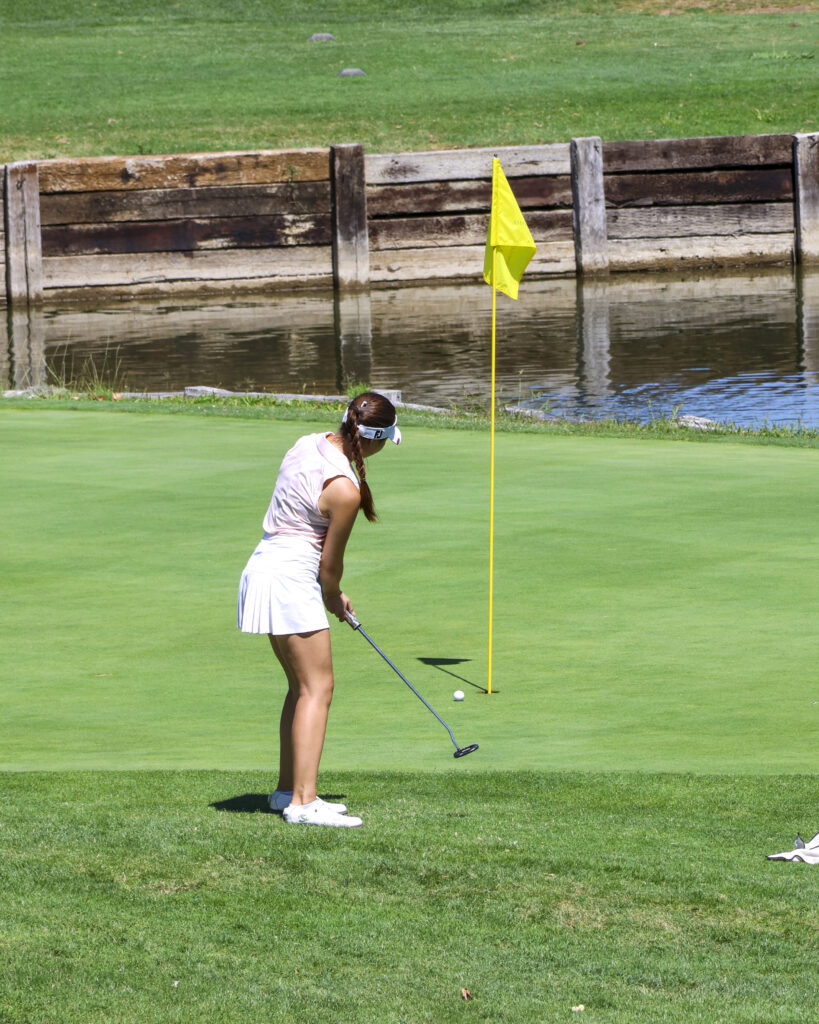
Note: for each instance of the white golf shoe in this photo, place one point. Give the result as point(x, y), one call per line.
point(280, 798)
point(318, 813)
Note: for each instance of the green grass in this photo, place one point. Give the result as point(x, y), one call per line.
point(654, 600)
point(107, 78)
point(650, 742)
point(100, 395)
point(140, 897)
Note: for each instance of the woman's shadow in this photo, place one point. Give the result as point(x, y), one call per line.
point(247, 803)
point(256, 803)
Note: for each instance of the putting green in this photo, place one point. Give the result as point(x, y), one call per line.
point(655, 601)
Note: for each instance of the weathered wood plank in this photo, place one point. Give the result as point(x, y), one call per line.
point(705, 251)
point(24, 280)
point(459, 164)
point(14, 267)
point(186, 235)
point(5, 349)
point(311, 262)
point(681, 221)
point(690, 154)
point(351, 247)
point(464, 196)
point(589, 206)
point(301, 198)
point(460, 262)
point(110, 173)
point(461, 229)
point(806, 177)
point(743, 186)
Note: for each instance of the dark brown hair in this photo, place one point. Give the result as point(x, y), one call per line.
point(371, 410)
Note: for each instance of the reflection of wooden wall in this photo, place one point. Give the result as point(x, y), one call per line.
point(3, 236)
point(228, 221)
point(359, 327)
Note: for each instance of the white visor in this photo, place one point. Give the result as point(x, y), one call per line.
point(378, 433)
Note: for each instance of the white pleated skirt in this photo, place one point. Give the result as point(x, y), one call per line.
point(279, 591)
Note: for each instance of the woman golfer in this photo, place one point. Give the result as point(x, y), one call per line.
point(295, 573)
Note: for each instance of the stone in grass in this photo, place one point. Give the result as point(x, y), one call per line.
point(322, 37)
point(696, 422)
point(352, 73)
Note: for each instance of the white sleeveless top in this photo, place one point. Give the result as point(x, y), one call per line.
point(305, 469)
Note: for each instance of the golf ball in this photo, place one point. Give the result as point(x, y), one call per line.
point(458, 695)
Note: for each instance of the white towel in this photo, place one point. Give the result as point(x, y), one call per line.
point(808, 852)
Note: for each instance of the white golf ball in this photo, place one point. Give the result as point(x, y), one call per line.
point(458, 695)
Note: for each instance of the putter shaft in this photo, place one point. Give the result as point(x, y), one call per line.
point(356, 625)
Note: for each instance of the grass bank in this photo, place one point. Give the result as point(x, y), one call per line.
point(473, 417)
point(201, 75)
point(171, 896)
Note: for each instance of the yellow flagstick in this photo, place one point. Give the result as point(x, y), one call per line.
point(492, 479)
point(509, 234)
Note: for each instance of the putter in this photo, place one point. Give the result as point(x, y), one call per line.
point(459, 751)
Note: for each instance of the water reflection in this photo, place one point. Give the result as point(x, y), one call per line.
point(741, 347)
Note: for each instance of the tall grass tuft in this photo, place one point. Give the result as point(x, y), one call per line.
point(92, 378)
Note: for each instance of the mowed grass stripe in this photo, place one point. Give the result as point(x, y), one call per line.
point(451, 74)
point(654, 600)
point(130, 897)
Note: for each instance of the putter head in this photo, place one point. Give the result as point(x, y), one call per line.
point(463, 751)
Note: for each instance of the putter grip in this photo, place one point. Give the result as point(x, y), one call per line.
point(352, 620)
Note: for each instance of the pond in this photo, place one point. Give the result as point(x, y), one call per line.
point(740, 347)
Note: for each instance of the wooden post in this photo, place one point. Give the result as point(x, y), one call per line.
point(806, 197)
point(5, 351)
point(24, 263)
point(589, 206)
point(351, 247)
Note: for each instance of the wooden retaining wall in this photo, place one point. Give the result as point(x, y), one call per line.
point(191, 221)
point(279, 219)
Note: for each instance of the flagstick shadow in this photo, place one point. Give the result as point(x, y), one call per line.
point(439, 664)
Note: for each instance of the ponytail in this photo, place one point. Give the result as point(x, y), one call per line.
point(371, 410)
point(350, 430)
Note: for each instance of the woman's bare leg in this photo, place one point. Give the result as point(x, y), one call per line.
point(286, 743)
point(285, 782)
point(307, 663)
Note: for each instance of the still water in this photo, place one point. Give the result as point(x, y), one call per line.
point(740, 347)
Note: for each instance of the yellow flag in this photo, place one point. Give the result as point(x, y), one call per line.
point(508, 235)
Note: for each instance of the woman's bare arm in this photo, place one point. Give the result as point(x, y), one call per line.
point(340, 502)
